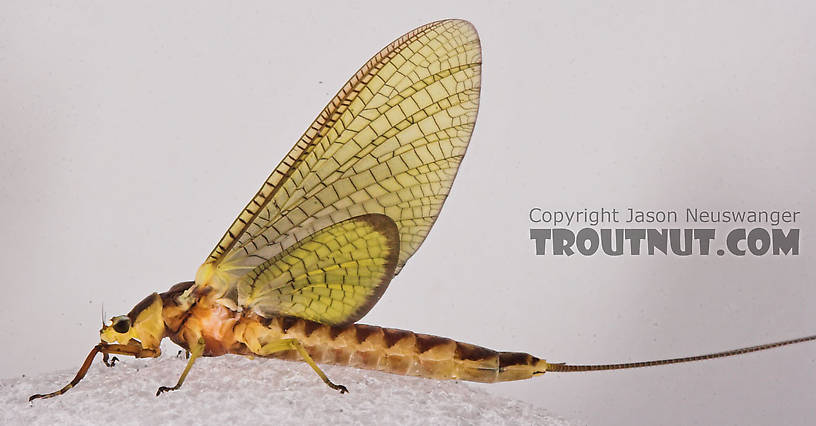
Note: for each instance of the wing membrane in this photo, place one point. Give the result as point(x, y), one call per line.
point(334, 276)
point(390, 142)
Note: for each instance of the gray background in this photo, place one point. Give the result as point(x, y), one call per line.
point(132, 136)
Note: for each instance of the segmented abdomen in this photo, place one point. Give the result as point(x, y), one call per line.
point(389, 350)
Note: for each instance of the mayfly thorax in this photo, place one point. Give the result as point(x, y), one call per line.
point(337, 219)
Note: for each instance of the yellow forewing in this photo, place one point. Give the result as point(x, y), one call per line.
point(390, 142)
point(334, 276)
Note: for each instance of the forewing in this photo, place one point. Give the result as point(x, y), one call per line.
point(333, 276)
point(390, 142)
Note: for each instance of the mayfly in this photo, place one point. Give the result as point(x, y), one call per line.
point(337, 219)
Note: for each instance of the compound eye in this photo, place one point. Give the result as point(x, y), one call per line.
point(122, 325)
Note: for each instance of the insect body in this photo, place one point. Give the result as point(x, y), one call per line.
point(338, 218)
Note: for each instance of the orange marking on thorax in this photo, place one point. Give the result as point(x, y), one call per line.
point(216, 324)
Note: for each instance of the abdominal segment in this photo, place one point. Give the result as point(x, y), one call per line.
point(384, 349)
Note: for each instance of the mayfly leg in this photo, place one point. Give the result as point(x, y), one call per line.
point(79, 375)
point(111, 362)
point(294, 344)
point(196, 352)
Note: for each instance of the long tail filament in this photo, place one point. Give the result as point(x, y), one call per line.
point(566, 368)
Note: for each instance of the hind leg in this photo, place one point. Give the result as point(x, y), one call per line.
point(294, 344)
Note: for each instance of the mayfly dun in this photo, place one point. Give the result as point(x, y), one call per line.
point(337, 219)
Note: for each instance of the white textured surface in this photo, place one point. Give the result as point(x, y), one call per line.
point(234, 390)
